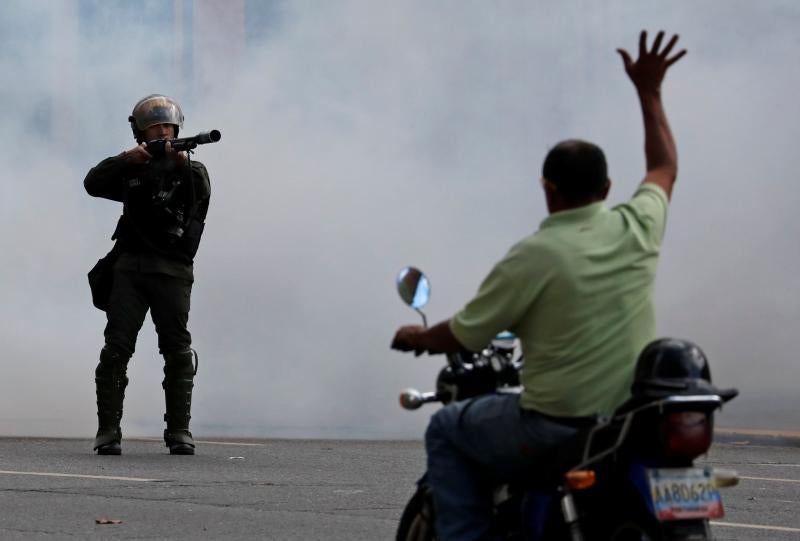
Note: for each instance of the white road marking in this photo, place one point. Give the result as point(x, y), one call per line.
point(758, 432)
point(232, 443)
point(76, 475)
point(769, 479)
point(208, 442)
point(755, 526)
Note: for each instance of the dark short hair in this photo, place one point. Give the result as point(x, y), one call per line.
point(577, 169)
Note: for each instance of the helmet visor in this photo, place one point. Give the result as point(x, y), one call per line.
point(157, 110)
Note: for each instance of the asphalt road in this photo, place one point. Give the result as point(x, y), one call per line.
point(298, 489)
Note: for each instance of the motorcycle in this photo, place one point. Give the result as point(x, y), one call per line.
point(629, 477)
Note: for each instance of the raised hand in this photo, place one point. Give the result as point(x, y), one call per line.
point(648, 70)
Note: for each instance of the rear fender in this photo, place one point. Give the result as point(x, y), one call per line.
point(637, 475)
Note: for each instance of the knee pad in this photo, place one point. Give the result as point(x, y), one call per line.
point(181, 364)
point(112, 362)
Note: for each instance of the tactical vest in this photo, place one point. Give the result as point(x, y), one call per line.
point(164, 213)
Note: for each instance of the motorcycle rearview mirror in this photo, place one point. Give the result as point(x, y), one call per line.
point(414, 289)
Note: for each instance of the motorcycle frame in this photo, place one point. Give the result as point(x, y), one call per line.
point(705, 401)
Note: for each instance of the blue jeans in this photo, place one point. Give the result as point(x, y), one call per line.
point(475, 441)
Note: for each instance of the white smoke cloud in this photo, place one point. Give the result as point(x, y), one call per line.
point(357, 140)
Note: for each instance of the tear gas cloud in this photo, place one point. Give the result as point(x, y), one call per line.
point(358, 139)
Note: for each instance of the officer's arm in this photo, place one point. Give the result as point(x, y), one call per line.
point(647, 73)
point(201, 180)
point(106, 179)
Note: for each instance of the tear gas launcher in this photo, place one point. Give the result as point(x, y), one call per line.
point(156, 148)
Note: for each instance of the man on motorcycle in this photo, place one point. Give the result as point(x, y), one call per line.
point(578, 294)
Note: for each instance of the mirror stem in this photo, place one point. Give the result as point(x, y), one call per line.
point(424, 319)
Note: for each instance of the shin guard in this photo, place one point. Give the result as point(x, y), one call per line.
point(179, 371)
point(110, 383)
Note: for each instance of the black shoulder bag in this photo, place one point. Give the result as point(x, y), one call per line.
point(101, 277)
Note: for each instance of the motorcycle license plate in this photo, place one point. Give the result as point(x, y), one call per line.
point(684, 493)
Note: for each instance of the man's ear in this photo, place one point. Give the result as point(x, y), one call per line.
point(607, 188)
point(548, 186)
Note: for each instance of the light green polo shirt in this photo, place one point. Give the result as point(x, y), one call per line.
point(578, 294)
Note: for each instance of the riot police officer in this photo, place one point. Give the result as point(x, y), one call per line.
point(165, 198)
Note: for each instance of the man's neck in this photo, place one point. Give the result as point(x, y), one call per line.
point(557, 204)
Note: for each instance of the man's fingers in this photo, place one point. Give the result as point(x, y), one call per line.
point(402, 339)
point(669, 46)
point(626, 58)
point(397, 341)
point(657, 42)
point(643, 43)
point(676, 58)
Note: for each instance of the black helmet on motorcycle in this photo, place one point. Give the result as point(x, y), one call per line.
point(671, 366)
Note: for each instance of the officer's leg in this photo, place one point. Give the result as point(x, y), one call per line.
point(125, 314)
point(170, 312)
point(127, 307)
point(179, 371)
point(472, 441)
point(110, 382)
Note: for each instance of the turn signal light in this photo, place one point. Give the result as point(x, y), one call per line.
point(722, 478)
point(581, 479)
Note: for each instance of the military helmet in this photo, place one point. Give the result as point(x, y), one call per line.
point(155, 109)
point(672, 366)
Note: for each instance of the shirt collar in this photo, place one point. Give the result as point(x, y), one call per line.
point(572, 216)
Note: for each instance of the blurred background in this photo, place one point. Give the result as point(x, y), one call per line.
point(360, 137)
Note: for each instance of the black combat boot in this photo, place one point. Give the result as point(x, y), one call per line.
point(179, 372)
point(110, 382)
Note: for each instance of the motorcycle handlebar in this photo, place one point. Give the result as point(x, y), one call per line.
point(412, 399)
